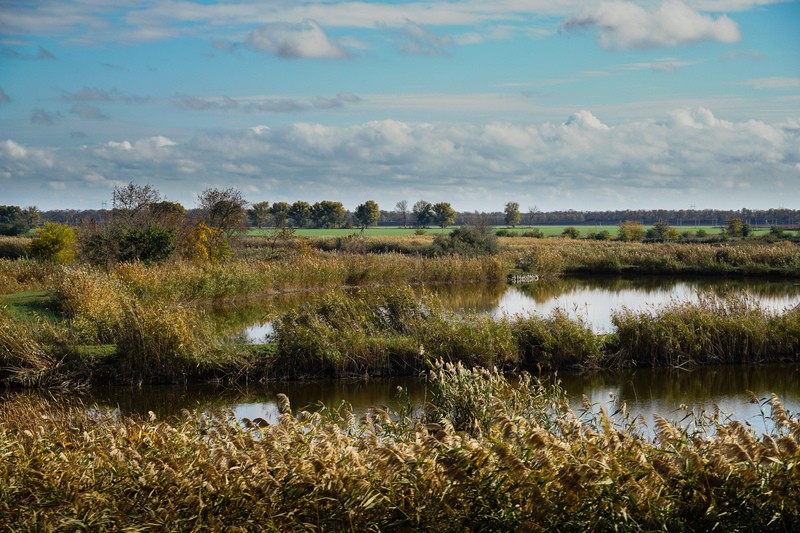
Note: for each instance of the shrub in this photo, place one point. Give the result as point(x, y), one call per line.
point(534, 233)
point(153, 244)
point(471, 240)
point(54, 242)
point(571, 232)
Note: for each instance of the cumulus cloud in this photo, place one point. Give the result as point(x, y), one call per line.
point(655, 162)
point(306, 40)
point(625, 25)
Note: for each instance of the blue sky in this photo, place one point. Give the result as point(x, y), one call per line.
point(558, 104)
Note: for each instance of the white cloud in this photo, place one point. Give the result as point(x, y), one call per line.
point(295, 41)
point(626, 25)
point(657, 161)
point(773, 83)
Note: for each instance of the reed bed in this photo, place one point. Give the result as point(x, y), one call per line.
point(24, 275)
point(595, 257)
point(185, 281)
point(714, 330)
point(518, 460)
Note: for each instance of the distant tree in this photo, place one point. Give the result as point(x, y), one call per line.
point(444, 214)
point(328, 214)
point(631, 230)
point(571, 232)
point(402, 208)
point(54, 242)
point(258, 214)
point(367, 214)
point(531, 213)
point(31, 216)
point(280, 214)
point(223, 209)
point(300, 213)
point(12, 220)
point(734, 227)
point(513, 216)
point(423, 213)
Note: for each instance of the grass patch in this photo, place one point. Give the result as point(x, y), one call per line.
point(28, 305)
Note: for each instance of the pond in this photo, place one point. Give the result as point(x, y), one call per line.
point(590, 299)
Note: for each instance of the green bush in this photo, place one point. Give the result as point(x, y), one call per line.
point(153, 244)
point(467, 240)
point(54, 242)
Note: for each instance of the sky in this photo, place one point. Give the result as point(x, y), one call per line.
point(553, 104)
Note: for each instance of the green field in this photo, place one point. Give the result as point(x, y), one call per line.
point(396, 231)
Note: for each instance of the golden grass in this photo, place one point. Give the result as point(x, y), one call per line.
point(530, 464)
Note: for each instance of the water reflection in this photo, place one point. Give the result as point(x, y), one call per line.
point(592, 299)
point(645, 391)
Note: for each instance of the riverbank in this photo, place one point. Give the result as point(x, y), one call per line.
point(378, 332)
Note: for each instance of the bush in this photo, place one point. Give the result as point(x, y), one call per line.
point(571, 232)
point(534, 233)
point(54, 242)
point(153, 244)
point(467, 240)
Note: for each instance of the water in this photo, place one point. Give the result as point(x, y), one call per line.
point(646, 392)
point(590, 299)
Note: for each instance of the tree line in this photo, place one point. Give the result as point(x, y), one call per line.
point(329, 214)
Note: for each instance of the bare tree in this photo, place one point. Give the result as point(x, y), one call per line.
point(532, 213)
point(402, 208)
point(131, 204)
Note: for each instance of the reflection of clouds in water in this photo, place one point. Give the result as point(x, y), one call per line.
point(596, 305)
point(259, 333)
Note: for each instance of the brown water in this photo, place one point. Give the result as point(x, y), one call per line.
point(666, 392)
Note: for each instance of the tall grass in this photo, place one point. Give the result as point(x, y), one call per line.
point(713, 330)
point(159, 343)
point(526, 462)
point(595, 257)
